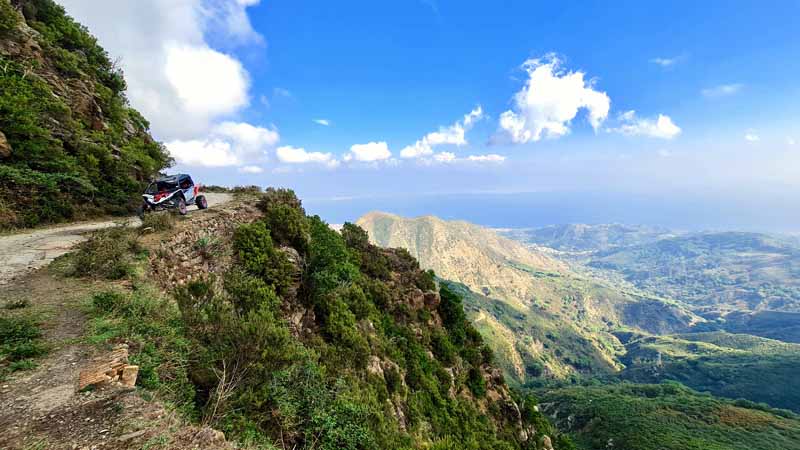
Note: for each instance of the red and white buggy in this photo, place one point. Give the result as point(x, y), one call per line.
point(172, 192)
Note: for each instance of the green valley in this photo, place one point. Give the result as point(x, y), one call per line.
point(666, 417)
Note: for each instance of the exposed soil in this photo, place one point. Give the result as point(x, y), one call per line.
point(30, 250)
point(40, 408)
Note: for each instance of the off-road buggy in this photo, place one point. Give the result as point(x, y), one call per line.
point(172, 192)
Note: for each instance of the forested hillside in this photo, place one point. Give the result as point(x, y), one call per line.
point(70, 144)
point(728, 365)
point(667, 417)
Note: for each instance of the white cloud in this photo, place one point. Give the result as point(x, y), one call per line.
point(487, 158)
point(455, 134)
point(191, 70)
point(294, 155)
point(448, 157)
point(214, 153)
point(751, 136)
point(370, 152)
point(722, 90)
point(251, 169)
point(662, 127)
point(175, 78)
point(790, 141)
point(230, 17)
point(549, 101)
point(227, 144)
point(323, 122)
point(444, 157)
point(665, 62)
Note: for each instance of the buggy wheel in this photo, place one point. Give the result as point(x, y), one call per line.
point(140, 211)
point(201, 202)
point(182, 206)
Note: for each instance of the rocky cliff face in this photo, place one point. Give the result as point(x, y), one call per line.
point(70, 145)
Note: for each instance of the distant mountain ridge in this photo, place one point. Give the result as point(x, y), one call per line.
point(584, 237)
point(725, 271)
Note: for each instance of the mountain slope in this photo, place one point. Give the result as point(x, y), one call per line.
point(666, 417)
point(582, 237)
point(465, 253)
point(70, 145)
point(727, 271)
point(542, 318)
point(727, 365)
point(330, 342)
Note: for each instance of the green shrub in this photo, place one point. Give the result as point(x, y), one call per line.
point(8, 19)
point(442, 348)
point(20, 340)
point(162, 221)
point(107, 254)
point(476, 383)
point(106, 301)
point(285, 218)
point(371, 260)
point(259, 257)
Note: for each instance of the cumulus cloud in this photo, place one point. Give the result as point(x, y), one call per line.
point(370, 152)
point(294, 155)
point(455, 134)
point(192, 69)
point(323, 122)
point(549, 101)
point(751, 136)
point(175, 76)
point(661, 127)
point(722, 90)
point(228, 144)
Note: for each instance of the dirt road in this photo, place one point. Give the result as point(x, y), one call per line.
point(31, 250)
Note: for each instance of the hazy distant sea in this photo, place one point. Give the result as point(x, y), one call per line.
point(523, 210)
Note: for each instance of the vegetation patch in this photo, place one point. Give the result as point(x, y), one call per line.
point(152, 327)
point(157, 222)
point(667, 417)
point(77, 149)
point(20, 343)
point(110, 254)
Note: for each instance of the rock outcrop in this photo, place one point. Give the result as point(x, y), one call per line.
point(109, 368)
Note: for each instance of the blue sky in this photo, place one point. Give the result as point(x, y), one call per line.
point(235, 88)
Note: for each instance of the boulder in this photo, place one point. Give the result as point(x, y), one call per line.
point(5, 147)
